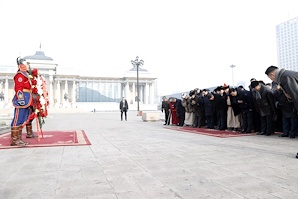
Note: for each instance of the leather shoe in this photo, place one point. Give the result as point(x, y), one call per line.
point(297, 155)
point(292, 136)
point(283, 135)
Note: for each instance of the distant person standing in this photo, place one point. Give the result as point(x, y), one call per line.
point(123, 108)
point(165, 107)
point(288, 80)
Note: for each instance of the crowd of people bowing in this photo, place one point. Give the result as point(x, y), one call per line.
point(264, 109)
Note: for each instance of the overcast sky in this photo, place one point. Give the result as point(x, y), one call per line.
point(187, 43)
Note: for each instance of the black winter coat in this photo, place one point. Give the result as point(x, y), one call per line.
point(208, 106)
point(287, 108)
point(180, 110)
point(288, 80)
point(265, 104)
point(165, 106)
point(123, 108)
point(244, 100)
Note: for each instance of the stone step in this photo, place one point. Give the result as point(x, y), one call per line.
point(4, 129)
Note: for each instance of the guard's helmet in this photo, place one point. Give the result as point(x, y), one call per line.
point(21, 61)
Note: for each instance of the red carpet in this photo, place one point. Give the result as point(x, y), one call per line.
point(209, 132)
point(51, 138)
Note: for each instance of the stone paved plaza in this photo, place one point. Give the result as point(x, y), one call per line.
point(143, 160)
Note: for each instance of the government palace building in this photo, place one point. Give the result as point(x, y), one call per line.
point(66, 89)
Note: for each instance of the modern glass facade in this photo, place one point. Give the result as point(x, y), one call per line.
point(98, 92)
point(287, 44)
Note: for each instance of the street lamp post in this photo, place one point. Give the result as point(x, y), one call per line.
point(137, 63)
point(233, 66)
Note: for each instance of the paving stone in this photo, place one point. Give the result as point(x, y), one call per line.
point(137, 159)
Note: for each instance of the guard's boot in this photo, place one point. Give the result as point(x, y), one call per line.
point(20, 136)
point(15, 137)
point(29, 131)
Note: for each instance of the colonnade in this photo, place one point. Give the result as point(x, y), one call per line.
point(59, 87)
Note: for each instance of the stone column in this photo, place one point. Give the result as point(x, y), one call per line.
point(146, 93)
point(141, 94)
point(133, 92)
point(113, 90)
point(73, 96)
point(51, 95)
point(58, 96)
point(66, 87)
point(152, 94)
point(1, 87)
point(66, 102)
point(6, 90)
point(127, 94)
point(122, 90)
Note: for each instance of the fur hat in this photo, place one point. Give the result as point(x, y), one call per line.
point(253, 84)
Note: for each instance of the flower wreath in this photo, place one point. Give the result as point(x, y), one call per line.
point(40, 97)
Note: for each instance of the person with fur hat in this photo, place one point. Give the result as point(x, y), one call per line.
point(265, 105)
point(220, 105)
point(199, 112)
point(208, 101)
point(244, 100)
point(22, 101)
point(188, 106)
point(233, 112)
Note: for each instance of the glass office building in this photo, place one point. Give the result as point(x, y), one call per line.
point(287, 44)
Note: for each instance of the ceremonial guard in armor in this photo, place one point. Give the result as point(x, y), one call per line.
point(21, 101)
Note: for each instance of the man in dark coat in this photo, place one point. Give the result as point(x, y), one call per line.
point(123, 108)
point(165, 107)
point(199, 111)
point(265, 105)
point(208, 101)
point(180, 111)
point(288, 80)
point(221, 107)
point(245, 102)
point(288, 113)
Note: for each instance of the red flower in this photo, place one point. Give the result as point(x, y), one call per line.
point(33, 81)
point(34, 72)
point(34, 90)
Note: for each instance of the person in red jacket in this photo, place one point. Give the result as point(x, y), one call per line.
point(21, 101)
point(173, 114)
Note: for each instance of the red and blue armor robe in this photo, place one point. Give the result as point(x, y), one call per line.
point(22, 99)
